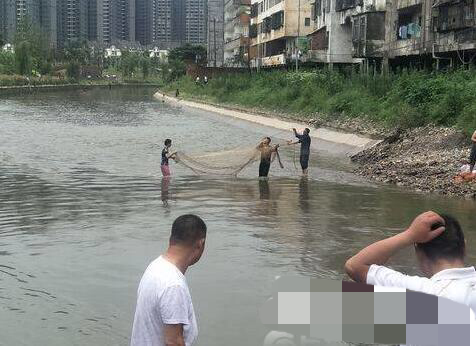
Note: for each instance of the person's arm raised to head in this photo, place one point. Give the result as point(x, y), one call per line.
point(420, 231)
point(174, 335)
point(473, 138)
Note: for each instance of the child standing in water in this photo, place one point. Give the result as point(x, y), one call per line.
point(164, 164)
point(267, 152)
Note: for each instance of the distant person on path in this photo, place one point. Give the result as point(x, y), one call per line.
point(267, 151)
point(205, 80)
point(177, 93)
point(197, 80)
point(440, 249)
point(472, 157)
point(164, 312)
point(305, 141)
point(166, 155)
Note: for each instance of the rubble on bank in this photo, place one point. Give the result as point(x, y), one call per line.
point(425, 159)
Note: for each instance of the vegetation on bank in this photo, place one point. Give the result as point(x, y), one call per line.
point(405, 100)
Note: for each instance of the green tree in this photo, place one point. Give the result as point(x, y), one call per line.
point(190, 54)
point(77, 51)
point(145, 67)
point(129, 63)
point(7, 63)
point(73, 70)
point(23, 58)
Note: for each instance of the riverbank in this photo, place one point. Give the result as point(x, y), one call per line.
point(424, 159)
point(355, 141)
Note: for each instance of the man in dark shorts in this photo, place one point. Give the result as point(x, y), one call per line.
point(472, 157)
point(305, 141)
point(267, 152)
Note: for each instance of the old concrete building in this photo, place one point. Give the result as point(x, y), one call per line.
point(347, 31)
point(215, 27)
point(426, 33)
point(275, 27)
point(394, 33)
point(237, 22)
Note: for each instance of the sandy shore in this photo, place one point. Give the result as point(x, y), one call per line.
point(359, 142)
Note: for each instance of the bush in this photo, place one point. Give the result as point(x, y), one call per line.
point(405, 100)
point(73, 70)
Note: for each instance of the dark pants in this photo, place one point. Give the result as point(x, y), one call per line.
point(264, 168)
point(304, 160)
point(472, 157)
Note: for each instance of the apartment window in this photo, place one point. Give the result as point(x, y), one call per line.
point(307, 21)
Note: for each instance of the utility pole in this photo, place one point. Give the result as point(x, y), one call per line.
point(215, 42)
point(297, 38)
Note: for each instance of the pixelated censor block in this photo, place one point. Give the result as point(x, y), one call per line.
point(330, 312)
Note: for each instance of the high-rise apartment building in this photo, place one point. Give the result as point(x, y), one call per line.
point(73, 21)
point(171, 23)
point(144, 21)
point(13, 12)
point(215, 24)
point(112, 21)
point(48, 20)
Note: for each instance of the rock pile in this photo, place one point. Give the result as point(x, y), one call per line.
point(425, 159)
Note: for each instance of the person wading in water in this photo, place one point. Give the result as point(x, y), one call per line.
point(164, 164)
point(267, 150)
point(305, 141)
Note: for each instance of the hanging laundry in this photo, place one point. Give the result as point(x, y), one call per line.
point(403, 32)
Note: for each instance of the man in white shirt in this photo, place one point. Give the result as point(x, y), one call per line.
point(164, 312)
point(440, 250)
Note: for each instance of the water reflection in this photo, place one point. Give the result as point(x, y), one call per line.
point(80, 217)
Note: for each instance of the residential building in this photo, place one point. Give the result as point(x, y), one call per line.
point(275, 28)
point(171, 23)
point(48, 18)
point(347, 31)
point(112, 21)
point(237, 23)
point(73, 21)
point(196, 21)
point(215, 45)
point(13, 12)
point(144, 21)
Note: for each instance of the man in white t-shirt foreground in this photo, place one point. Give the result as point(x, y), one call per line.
point(164, 311)
point(440, 250)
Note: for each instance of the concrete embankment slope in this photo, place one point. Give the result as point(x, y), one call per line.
point(329, 135)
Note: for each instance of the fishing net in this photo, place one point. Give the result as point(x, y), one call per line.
point(229, 162)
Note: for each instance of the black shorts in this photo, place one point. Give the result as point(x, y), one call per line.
point(472, 157)
point(264, 168)
point(304, 161)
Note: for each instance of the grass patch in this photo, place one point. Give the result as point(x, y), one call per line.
point(408, 99)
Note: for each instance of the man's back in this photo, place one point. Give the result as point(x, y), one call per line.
point(456, 284)
point(162, 298)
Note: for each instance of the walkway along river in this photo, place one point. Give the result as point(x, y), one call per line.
point(83, 210)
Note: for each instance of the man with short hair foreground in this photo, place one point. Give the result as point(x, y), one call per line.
point(440, 250)
point(164, 312)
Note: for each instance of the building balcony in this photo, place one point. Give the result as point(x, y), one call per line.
point(408, 3)
point(237, 43)
point(242, 20)
point(269, 61)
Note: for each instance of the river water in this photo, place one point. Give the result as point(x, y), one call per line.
point(83, 210)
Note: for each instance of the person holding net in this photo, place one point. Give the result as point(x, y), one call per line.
point(305, 141)
point(267, 152)
point(166, 155)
